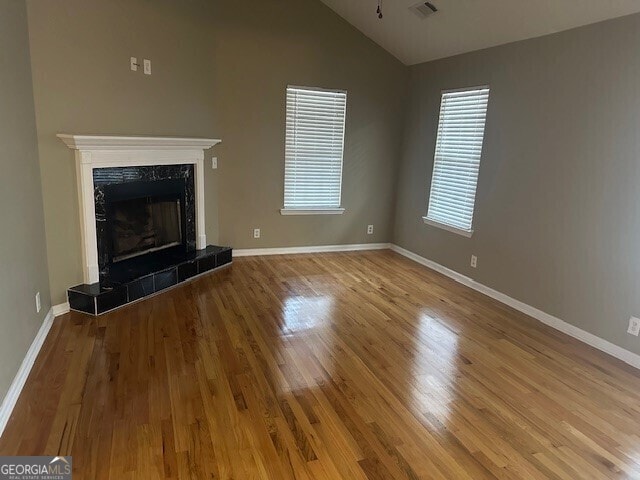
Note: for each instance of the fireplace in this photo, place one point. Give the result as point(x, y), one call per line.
point(142, 218)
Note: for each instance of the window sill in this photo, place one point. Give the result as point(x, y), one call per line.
point(448, 228)
point(311, 211)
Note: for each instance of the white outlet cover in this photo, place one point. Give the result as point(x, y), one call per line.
point(38, 303)
point(256, 233)
point(147, 66)
point(134, 64)
point(474, 261)
point(634, 326)
point(214, 162)
point(370, 229)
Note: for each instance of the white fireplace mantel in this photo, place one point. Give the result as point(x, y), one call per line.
point(103, 151)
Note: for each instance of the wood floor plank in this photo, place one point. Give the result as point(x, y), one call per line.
point(358, 365)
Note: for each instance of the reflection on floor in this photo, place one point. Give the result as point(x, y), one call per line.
point(343, 365)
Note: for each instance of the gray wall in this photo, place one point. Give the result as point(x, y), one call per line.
point(220, 69)
point(23, 256)
point(261, 47)
point(80, 53)
point(557, 220)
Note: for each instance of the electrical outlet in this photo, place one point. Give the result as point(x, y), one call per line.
point(634, 326)
point(134, 64)
point(214, 162)
point(147, 66)
point(38, 304)
point(256, 233)
point(369, 229)
point(474, 261)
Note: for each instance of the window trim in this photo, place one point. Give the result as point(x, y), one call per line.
point(312, 211)
point(339, 210)
point(464, 89)
point(318, 89)
point(448, 228)
point(435, 223)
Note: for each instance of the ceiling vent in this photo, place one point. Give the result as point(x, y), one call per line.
point(423, 9)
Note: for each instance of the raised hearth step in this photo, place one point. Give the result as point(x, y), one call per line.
point(126, 287)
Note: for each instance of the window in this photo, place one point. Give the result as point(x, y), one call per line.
point(313, 151)
point(457, 159)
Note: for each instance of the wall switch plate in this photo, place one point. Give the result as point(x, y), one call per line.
point(634, 326)
point(147, 66)
point(256, 233)
point(474, 261)
point(38, 303)
point(134, 64)
point(214, 162)
point(369, 229)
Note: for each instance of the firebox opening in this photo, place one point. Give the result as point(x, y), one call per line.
point(145, 217)
point(145, 225)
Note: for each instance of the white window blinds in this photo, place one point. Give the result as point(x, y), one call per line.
point(457, 157)
point(314, 147)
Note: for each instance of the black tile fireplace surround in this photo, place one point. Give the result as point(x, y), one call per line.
point(121, 183)
point(142, 250)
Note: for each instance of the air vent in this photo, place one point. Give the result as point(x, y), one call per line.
point(423, 9)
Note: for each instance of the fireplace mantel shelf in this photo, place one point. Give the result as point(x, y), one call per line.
point(114, 142)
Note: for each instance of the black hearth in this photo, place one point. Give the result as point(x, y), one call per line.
point(146, 236)
point(150, 277)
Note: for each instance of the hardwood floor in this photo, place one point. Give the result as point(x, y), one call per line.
point(347, 365)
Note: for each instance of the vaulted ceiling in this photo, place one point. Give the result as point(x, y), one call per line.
point(465, 25)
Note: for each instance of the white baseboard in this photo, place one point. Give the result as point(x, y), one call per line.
point(10, 399)
point(252, 252)
point(620, 353)
point(61, 309)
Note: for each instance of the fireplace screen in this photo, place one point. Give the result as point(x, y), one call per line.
point(144, 225)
